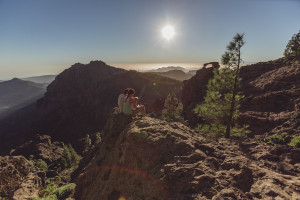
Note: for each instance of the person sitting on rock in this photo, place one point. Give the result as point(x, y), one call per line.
point(121, 99)
point(131, 106)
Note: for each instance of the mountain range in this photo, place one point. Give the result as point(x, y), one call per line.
point(150, 158)
point(17, 93)
point(79, 100)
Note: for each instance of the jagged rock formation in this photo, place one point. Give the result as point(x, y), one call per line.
point(213, 65)
point(152, 159)
point(79, 100)
point(193, 93)
point(41, 147)
point(18, 178)
point(272, 97)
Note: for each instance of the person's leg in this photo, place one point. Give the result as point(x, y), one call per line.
point(141, 109)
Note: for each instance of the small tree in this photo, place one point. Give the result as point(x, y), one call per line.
point(215, 110)
point(232, 58)
point(220, 108)
point(173, 108)
point(293, 47)
point(98, 138)
point(70, 157)
point(87, 143)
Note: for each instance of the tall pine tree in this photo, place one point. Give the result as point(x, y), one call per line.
point(220, 109)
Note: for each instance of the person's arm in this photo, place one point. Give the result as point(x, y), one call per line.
point(133, 102)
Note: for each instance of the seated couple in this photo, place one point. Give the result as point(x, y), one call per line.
point(128, 104)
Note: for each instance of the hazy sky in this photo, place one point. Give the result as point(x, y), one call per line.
point(46, 36)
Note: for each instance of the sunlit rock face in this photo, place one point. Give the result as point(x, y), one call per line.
point(151, 159)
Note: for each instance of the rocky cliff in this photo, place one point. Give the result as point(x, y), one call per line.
point(79, 100)
point(151, 159)
point(272, 96)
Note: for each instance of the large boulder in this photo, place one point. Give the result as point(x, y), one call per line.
point(151, 159)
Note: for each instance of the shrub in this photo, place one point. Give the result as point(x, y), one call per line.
point(295, 142)
point(98, 138)
point(70, 158)
point(217, 130)
point(276, 139)
point(50, 197)
point(64, 191)
point(87, 143)
point(52, 192)
point(39, 163)
point(172, 109)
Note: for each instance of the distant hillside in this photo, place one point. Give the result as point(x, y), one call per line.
point(46, 79)
point(166, 69)
point(17, 93)
point(79, 100)
point(175, 74)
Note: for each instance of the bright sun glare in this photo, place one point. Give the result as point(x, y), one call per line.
point(168, 32)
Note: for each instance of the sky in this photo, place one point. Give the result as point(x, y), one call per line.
point(39, 37)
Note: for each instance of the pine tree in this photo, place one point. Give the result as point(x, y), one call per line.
point(293, 47)
point(221, 103)
point(172, 108)
point(232, 58)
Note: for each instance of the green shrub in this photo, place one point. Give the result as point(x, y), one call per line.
point(50, 188)
point(52, 192)
point(64, 191)
point(217, 130)
point(87, 143)
point(276, 139)
point(172, 109)
point(70, 158)
point(50, 197)
point(39, 163)
point(295, 142)
point(98, 138)
point(141, 134)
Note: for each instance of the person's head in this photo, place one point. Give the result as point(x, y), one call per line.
point(126, 91)
point(130, 92)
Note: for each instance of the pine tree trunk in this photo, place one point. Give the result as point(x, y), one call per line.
point(229, 124)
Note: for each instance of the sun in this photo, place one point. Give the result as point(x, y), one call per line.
point(168, 32)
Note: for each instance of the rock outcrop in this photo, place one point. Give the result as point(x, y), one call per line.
point(193, 93)
point(18, 178)
point(272, 97)
point(152, 159)
point(41, 147)
point(79, 101)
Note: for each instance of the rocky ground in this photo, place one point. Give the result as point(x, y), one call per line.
point(153, 159)
point(19, 179)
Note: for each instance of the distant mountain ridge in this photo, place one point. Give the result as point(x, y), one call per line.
point(166, 69)
point(45, 79)
point(17, 93)
point(175, 74)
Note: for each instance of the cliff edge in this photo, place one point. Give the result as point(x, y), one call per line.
point(146, 158)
